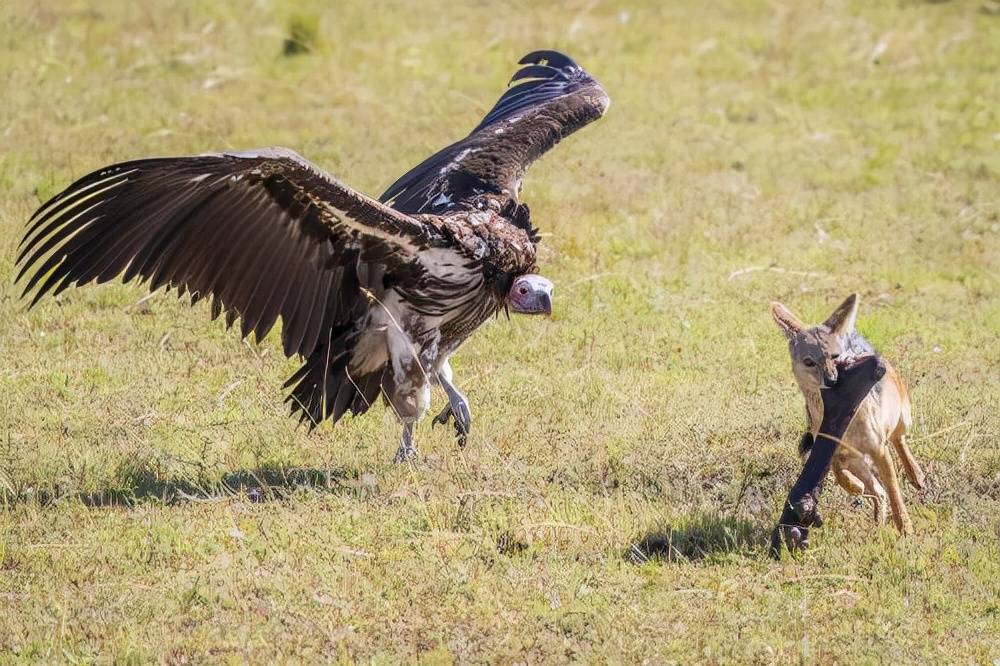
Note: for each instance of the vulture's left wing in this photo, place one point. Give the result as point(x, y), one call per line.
point(555, 97)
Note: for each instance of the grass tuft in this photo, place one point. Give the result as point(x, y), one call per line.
point(303, 35)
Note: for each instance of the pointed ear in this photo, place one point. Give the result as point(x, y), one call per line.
point(786, 321)
point(842, 321)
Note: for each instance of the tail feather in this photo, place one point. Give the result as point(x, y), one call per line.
point(323, 388)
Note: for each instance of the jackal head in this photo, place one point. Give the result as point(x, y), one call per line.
point(815, 349)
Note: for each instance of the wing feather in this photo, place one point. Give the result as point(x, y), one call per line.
point(554, 98)
point(266, 234)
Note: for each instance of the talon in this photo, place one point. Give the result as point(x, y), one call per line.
point(442, 417)
point(407, 451)
point(406, 455)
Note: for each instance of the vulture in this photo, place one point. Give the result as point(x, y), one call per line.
point(373, 295)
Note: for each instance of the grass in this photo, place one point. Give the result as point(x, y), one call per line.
point(629, 455)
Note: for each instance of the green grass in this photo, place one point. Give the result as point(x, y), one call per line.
point(763, 150)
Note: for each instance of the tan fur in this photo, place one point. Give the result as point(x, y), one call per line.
point(862, 463)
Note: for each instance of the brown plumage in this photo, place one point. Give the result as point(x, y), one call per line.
point(556, 98)
point(374, 295)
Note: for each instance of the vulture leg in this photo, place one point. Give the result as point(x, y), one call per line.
point(407, 390)
point(407, 450)
point(457, 408)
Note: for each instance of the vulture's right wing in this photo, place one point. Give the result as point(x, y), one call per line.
point(265, 233)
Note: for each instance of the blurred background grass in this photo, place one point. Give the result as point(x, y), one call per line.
point(629, 454)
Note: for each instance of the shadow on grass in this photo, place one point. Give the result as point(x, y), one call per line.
point(705, 536)
point(256, 485)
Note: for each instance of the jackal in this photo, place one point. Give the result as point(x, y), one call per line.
point(861, 464)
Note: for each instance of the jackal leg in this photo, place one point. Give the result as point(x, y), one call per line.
point(887, 472)
point(910, 465)
point(848, 481)
point(857, 477)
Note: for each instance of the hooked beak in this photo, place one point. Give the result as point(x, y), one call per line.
point(531, 294)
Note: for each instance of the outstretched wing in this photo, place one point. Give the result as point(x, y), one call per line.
point(555, 97)
point(265, 233)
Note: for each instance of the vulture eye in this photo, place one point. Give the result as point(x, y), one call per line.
point(809, 363)
point(480, 204)
point(522, 290)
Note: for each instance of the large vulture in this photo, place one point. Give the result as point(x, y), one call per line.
point(375, 296)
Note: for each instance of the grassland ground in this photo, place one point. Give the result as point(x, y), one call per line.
point(628, 455)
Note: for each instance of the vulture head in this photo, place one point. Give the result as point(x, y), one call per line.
point(530, 294)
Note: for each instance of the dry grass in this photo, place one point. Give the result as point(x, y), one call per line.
point(628, 455)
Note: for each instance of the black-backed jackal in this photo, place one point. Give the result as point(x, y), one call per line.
point(861, 464)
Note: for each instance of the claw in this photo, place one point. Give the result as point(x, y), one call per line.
point(442, 416)
point(457, 408)
point(405, 455)
point(463, 422)
point(407, 451)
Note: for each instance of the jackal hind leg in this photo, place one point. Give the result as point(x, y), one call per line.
point(858, 478)
point(852, 484)
point(887, 472)
point(911, 468)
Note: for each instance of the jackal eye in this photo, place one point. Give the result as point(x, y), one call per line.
point(809, 363)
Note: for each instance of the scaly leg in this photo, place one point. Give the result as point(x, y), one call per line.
point(457, 408)
point(407, 450)
point(407, 392)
